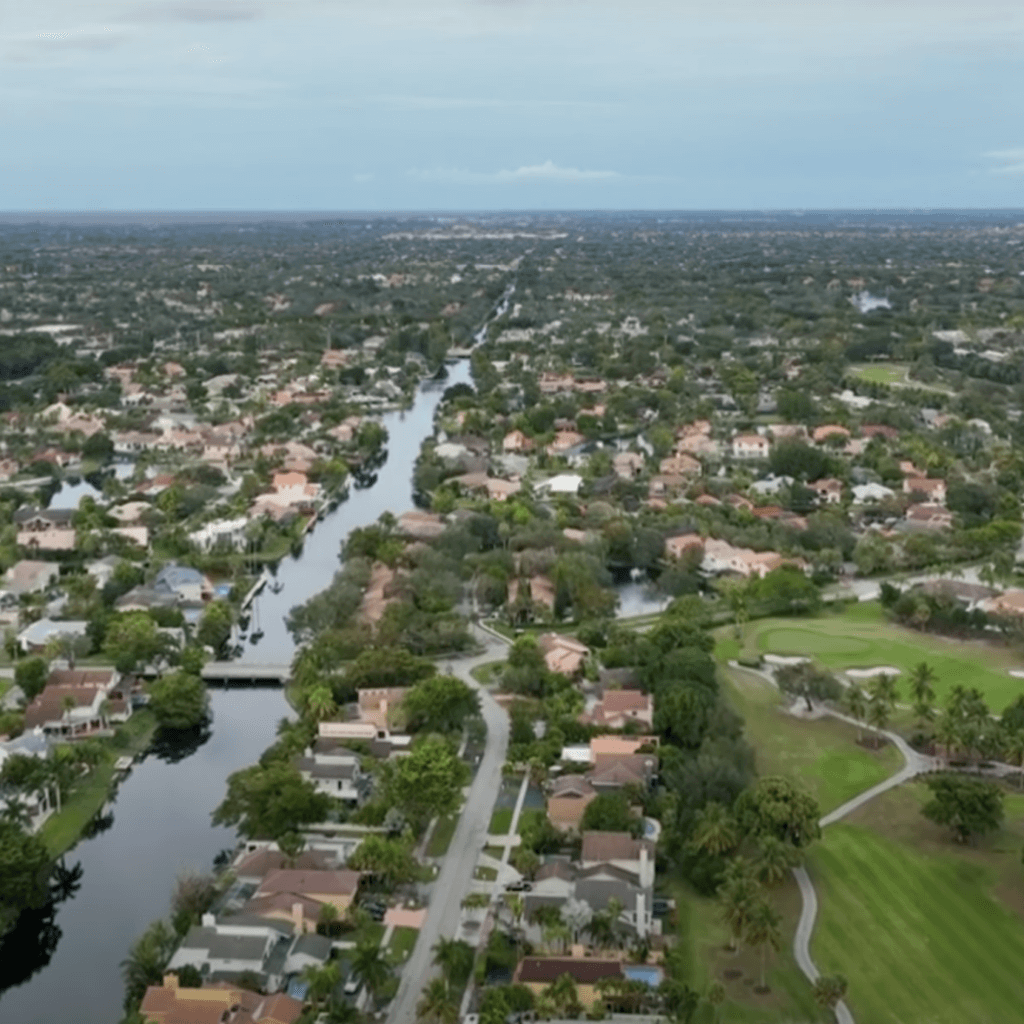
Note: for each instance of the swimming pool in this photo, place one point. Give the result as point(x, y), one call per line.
point(638, 972)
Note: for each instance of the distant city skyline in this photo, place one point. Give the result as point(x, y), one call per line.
point(510, 104)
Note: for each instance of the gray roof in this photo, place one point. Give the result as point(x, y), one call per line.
point(316, 946)
point(225, 947)
point(40, 632)
point(325, 771)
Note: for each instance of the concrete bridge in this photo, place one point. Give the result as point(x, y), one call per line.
point(246, 672)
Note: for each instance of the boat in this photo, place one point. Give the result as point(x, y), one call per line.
point(277, 587)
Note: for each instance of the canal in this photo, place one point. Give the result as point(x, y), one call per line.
point(159, 823)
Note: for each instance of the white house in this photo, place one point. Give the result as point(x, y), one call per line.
point(750, 446)
point(564, 483)
point(864, 494)
point(223, 532)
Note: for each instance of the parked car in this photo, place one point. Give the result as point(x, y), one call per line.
point(520, 886)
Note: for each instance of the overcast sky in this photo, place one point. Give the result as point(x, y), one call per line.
point(510, 104)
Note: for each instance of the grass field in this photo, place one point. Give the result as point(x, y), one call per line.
point(882, 373)
point(859, 637)
point(441, 837)
point(823, 755)
point(501, 822)
point(402, 941)
point(924, 930)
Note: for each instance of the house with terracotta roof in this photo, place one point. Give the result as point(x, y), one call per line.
point(516, 441)
point(933, 489)
point(171, 1003)
point(617, 708)
point(628, 465)
point(676, 547)
point(568, 799)
point(928, 516)
point(77, 702)
point(537, 973)
point(680, 465)
point(620, 850)
point(336, 887)
point(750, 446)
point(828, 490)
point(563, 654)
point(823, 433)
point(565, 441)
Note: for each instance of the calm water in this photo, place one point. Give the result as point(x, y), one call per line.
point(161, 818)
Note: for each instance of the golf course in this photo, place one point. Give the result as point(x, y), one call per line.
point(859, 637)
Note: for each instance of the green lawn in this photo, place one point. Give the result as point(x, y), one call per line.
point(402, 941)
point(704, 939)
point(882, 373)
point(486, 673)
point(858, 637)
point(441, 837)
point(923, 930)
point(485, 874)
point(501, 822)
point(823, 755)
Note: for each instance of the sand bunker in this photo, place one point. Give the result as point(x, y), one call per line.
point(870, 673)
point(1017, 673)
point(779, 659)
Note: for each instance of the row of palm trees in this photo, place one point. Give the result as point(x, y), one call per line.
point(24, 777)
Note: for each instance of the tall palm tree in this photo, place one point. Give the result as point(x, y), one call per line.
point(763, 931)
point(738, 893)
point(1014, 752)
point(856, 703)
point(370, 966)
point(774, 860)
point(436, 1004)
point(947, 733)
point(828, 990)
point(146, 960)
point(321, 981)
point(922, 682)
point(455, 958)
point(881, 701)
point(320, 703)
point(715, 830)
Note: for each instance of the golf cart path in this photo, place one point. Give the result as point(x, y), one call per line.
point(914, 764)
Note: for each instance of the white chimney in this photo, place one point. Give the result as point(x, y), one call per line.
point(646, 868)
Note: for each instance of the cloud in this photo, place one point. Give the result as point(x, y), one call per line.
point(1007, 161)
point(547, 171)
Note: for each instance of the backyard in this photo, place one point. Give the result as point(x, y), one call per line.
point(922, 929)
point(859, 637)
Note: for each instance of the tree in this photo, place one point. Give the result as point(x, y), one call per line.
point(268, 801)
point(774, 859)
point(320, 703)
point(455, 958)
point(806, 681)
point(856, 703)
point(1013, 746)
point(609, 812)
point(189, 977)
point(132, 640)
point(775, 806)
point(969, 806)
point(576, 915)
point(881, 702)
point(147, 958)
point(436, 1004)
point(563, 995)
point(179, 701)
point(25, 867)
point(427, 782)
point(31, 675)
point(440, 704)
point(322, 981)
point(291, 844)
point(715, 830)
point(328, 920)
point(738, 894)
point(763, 931)
point(390, 859)
point(215, 626)
point(829, 989)
point(194, 893)
point(370, 966)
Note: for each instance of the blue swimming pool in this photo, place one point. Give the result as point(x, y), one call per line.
point(638, 972)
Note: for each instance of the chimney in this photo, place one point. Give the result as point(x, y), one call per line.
point(646, 867)
point(171, 982)
point(209, 920)
point(642, 924)
point(298, 918)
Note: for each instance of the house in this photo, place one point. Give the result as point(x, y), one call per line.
point(750, 446)
point(34, 638)
point(821, 434)
point(872, 430)
point(516, 441)
point(563, 654)
point(568, 799)
point(934, 490)
point(828, 490)
point(537, 973)
point(564, 483)
point(335, 887)
point(721, 557)
point(171, 1003)
point(381, 705)
point(30, 577)
point(419, 525)
point(771, 484)
point(676, 547)
point(680, 465)
point(928, 516)
point(223, 949)
point(601, 883)
point(636, 770)
point(542, 591)
point(628, 465)
point(1010, 603)
point(253, 865)
point(564, 442)
point(617, 708)
point(77, 702)
point(184, 583)
point(622, 851)
point(867, 494)
point(224, 533)
point(337, 774)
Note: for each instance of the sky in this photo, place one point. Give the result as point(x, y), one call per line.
point(391, 105)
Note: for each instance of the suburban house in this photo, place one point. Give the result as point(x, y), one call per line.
point(620, 850)
point(823, 433)
point(335, 771)
point(563, 483)
point(563, 654)
point(380, 706)
point(1009, 603)
point(567, 801)
point(182, 582)
point(335, 887)
point(617, 708)
point(171, 1003)
point(537, 972)
point(254, 865)
point(927, 516)
point(676, 547)
point(628, 465)
point(866, 494)
point(680, 465)
point(750, 446)
point(34, 638)
point(828, 490)
point(934, 490)
point(228, 533)
point(29, 577)
point(420, 525)
point(77, 702)
point(516, 441)
point(721, 557)
point(542, 591)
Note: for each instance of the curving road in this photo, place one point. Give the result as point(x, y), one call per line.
point(456, 877)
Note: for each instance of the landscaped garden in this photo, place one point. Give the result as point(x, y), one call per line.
point(924, 929)
point(859, 637)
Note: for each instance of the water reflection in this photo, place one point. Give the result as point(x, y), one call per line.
point(174, 745)
point(28, 947)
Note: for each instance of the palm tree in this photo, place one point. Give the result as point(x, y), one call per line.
point(856, 703)
point(1013, 747)
point(715, 830)
point(715, 997)
point(562, 993)
point(455, 958)
point(370, 967)
point(739, 893)
point(436, 1003)
point(881, 700)
point(320, 703)
point(828, 990)
point(602, 930)
point(146, 960)
point(321, 981)
point(556, 933)
point(775, 859)
point(763, 931)
point(947, 733)
point(922, 680)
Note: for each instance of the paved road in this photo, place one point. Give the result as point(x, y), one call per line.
point(456, 877)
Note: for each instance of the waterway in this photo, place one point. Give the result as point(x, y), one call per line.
point(160, 820)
